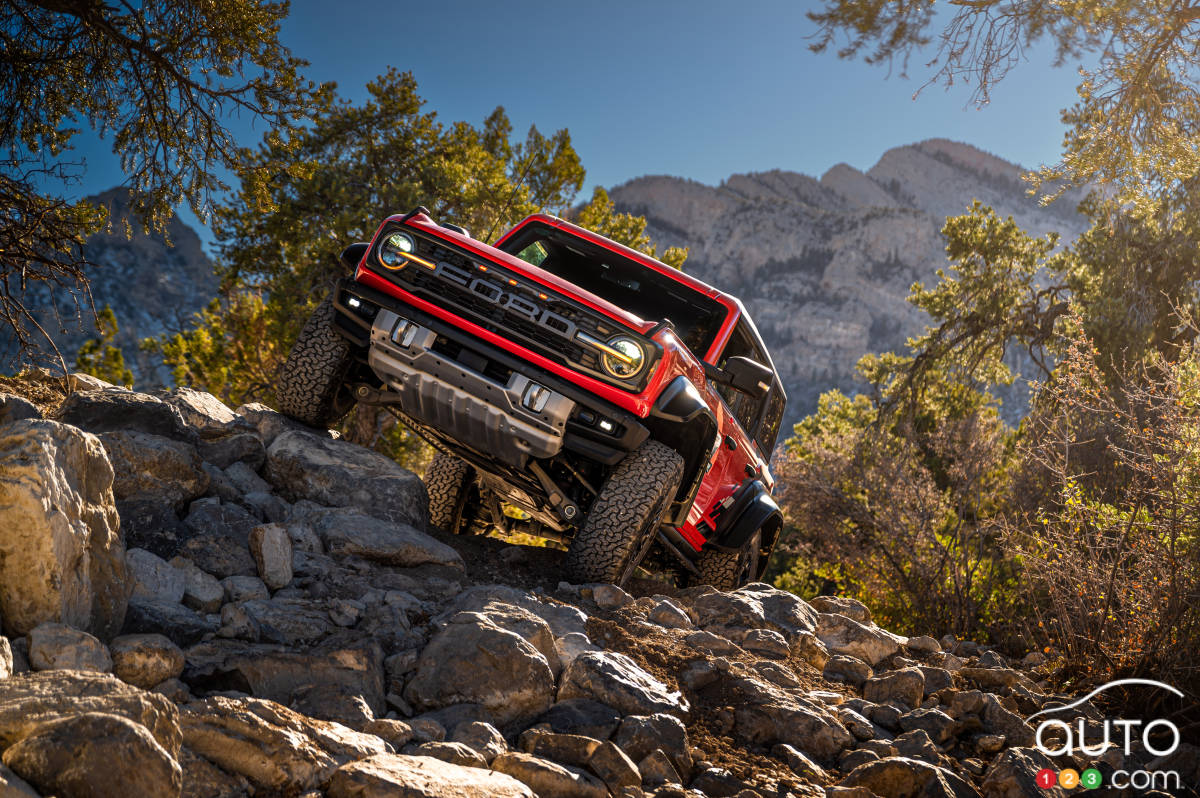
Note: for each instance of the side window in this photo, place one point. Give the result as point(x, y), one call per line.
point(768, 432)
point(745, 408)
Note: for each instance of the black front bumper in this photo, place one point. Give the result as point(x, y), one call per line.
point(582, 435)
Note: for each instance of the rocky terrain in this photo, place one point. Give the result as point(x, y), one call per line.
point(198, 601)
point(825, 266)
point(154, 283)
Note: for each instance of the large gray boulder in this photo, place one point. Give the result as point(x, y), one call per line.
point(353, 533)
point(96, 755)
point(53, 646)
point(113, 409)
point(396, 776)
point(616, 680)
point(765, 715)
point(901, 777)
point(276, 749)
point(154, 468)
point(474, 661)
point(843, 635)
point(30, 700)
point(62, 558)
point(277, 673)
point(304, 465)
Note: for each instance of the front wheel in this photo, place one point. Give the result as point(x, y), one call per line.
point(312, 386)
point(454, 496)
point(620, 527)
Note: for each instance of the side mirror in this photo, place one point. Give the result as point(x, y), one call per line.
point(748, 376)
point(352, 255)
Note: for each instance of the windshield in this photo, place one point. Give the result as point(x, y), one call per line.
point(625, 283)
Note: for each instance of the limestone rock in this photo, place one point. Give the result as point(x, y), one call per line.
point(842, 605)
point(548, 778)
point(844, 635)
point(765, 715)
point(153, 577)
point(53, 646)
point(669, 614)
point(899, 777)
point(398, 776)
point(851, 670)
point(641, 735)
point(339, 703)
point(304, 465)
point(272, 550)
point(608, 597)
point(6, 659)
point(203, 779)
point(202, 591)
point(154, 468)
point(146, 660)
point(29, 700)
point(237, 447)
point(61, 554)
point(183, 626)
point(199, 410)
point(454, 753)
point(220, 555)
point(798, 763)
point(616, 680)
point(239, 588)
point(15, 408)
point(582, 716)
point(277, 673)
point(396, 732)
point(119, 410)
point(152, 525)
point(348, 533)
point(290, 621)
point(905, 686)
point(657, 769)
point(95, 755)
point(483, 738)
point(272, 746)
point(473, 660)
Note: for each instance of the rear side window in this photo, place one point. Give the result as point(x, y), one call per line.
point(768, 432)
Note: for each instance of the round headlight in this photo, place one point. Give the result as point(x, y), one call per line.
point(393, 250)
point(630, 363)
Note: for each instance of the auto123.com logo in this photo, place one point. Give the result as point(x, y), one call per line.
point(1057, 736)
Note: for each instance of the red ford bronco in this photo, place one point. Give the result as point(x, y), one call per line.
point(573, 388)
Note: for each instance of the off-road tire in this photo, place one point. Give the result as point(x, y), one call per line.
point(450, 483)
point(729, 570)
point(621, 524)
point(312, 386)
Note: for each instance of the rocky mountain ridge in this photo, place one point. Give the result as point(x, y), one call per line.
point(825, 265)
point(154, 283)
point(199, 601)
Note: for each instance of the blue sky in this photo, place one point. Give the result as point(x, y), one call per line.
point(698, 89)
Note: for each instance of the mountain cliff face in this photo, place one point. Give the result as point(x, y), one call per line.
point(825, 266)
point(153, 287)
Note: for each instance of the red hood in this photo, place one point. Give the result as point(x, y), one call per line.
point(545, 278)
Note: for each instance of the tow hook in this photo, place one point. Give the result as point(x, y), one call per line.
point(367, 395)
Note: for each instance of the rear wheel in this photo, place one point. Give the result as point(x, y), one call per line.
point(726, 570)
point(312, 386)
point(621, 525)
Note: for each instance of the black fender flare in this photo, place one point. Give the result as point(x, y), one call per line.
point(752, 509)
point(681, 419)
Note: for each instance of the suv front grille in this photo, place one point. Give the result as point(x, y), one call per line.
point(507, 304)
